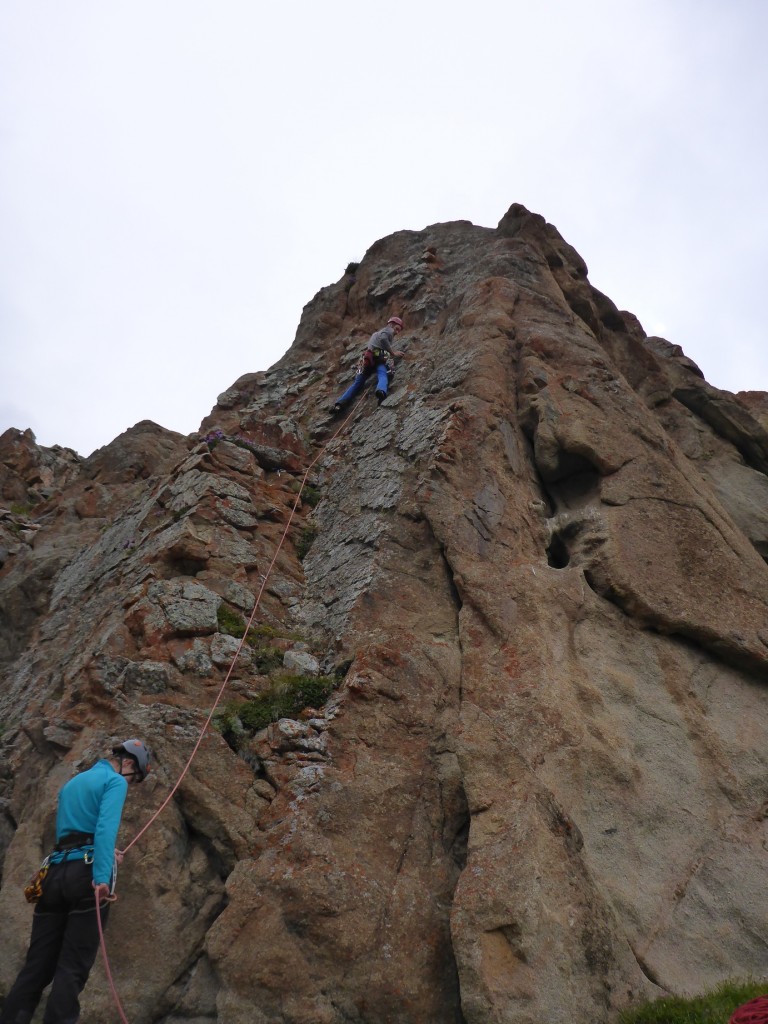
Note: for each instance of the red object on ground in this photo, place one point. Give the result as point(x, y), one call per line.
point(753, 1012)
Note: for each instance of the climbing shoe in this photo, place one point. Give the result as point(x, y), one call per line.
point(336, 408)
point(380, 396)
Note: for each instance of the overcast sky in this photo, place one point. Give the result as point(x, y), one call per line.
point(179, 177)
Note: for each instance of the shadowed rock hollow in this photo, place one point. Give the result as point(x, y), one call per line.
point(530, 591)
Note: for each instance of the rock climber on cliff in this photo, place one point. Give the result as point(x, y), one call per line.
point(379, 356)
point(80, 869)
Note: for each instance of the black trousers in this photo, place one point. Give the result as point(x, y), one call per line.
point(63, 946)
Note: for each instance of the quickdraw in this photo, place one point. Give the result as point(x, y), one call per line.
point(33, 890)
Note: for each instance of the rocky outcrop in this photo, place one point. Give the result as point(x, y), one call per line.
point(32, 473)
point(493, 748)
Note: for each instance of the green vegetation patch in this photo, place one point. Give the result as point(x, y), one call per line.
point(713, 1007)
point(287, 696)
point(230, 622)
point(304, 542)
point(265, 659)
point(262, 632)
point(258, 635)
point(310, 495)
point(267, 655)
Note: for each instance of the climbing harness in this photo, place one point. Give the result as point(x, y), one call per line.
point(69, 844)
point(216, 702)
point(371, 358)
point(73, 841)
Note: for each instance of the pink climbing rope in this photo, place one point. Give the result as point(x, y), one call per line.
point(236, 655)
point(108, 972)
point(753, 1012)
point(219, 695)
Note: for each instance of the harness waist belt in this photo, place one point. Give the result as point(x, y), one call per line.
point(73, 841)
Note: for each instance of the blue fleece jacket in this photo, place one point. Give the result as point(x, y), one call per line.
point(93, 802)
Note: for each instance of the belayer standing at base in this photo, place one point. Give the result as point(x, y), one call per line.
point(80, 870)
point(379, 356)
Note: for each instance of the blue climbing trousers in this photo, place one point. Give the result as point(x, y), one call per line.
point(365, 368)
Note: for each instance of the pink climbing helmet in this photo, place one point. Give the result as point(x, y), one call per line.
point(396, 321)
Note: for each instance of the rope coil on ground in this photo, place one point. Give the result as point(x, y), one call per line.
point(753, 1012)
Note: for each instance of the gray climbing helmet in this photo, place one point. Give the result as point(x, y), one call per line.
point(138, 751)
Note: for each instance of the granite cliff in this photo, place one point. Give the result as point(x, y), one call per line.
point(519, 627)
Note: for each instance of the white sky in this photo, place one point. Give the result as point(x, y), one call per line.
point(179, 177)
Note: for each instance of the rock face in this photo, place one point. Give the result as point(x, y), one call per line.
point(520, 609)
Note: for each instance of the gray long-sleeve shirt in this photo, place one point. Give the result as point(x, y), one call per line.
point(383, 339)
